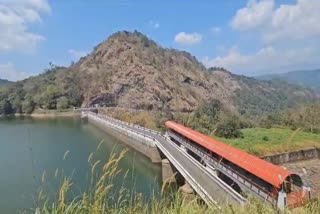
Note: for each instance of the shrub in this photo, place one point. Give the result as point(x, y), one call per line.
point(27, 106)
point(5, 107)
point(62, 103)
point(265, 138)
point(228, 129)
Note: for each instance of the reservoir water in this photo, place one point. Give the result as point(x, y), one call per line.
point(35, 154)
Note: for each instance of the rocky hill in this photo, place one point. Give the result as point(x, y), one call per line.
point(131, 71)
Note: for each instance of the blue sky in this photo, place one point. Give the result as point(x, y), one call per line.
point(249, 37)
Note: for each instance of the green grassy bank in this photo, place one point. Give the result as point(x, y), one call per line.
point(262, 141)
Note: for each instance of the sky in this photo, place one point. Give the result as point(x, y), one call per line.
point(247, 37)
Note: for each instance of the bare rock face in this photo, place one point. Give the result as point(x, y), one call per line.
point(131, 71)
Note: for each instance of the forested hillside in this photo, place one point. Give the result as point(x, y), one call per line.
point(131, 71)
point(307, 78)
point(4, 82)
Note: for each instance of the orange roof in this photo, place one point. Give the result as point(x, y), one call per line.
point(275, 175)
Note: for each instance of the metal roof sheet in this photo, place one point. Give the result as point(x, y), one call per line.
point(273, 174)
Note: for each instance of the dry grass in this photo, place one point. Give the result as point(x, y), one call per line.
point(100, 198)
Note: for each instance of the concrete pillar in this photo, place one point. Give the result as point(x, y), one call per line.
point(282, 200)
point(168, 172)
point(187, 192)
point(155, 155)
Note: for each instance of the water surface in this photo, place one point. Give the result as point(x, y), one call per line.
point(31, 151)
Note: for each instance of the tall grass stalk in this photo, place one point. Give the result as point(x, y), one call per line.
point(103, 197)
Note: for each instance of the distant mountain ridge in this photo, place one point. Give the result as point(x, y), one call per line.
point(305, 78)
point(4, 82)
point(129, 70)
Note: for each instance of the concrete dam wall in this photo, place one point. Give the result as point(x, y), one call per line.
point(142, 143)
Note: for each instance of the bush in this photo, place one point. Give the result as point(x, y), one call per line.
point(228, 129)
point(265, 138)
point(161, 118)
point(27, 106)
point(62, 103)
point(5, 107)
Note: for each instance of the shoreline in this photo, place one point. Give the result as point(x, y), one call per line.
point(49, 114)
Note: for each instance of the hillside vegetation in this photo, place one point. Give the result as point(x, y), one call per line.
point(307, 78)
point(288, 130)
point(4, 82)
point(306, 117)
point(292, 129)
point(262, 141)
point(131, 71)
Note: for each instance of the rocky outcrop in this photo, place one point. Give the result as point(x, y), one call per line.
point(129, 70)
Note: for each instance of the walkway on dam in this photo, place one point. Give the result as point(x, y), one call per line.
point(207, 185)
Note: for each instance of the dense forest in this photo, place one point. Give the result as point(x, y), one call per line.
point(51, 90)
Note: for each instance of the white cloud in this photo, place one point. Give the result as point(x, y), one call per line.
point(298, 21)
point(286, 22)
point(253, 15)
point(232, 58)
point(77, 54)
point(9, 72)
point(188, 38)
point(215, 30)
point(154, 24)
point(15, 18)
point(266, 60)
point(289, 35)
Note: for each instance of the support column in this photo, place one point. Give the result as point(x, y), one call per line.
point(168, 172)
point(155, 155)
point(187, 192)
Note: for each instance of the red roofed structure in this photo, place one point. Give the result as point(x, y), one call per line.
point(276, 176)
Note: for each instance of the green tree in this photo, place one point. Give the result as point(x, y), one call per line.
point(210, 109)
point(312, 118)
point(227, 131)
point(62, 103)
point(229, 128)
point(48, 98)
point(205, 118)
point(27, 106)
point(5, 107)
point(15, 100)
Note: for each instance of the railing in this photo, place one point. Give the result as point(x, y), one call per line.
point(294, 199)
point(157, 140)
point(194, 184)
point(217, 180)
point(124, 125)
point(231, 172)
